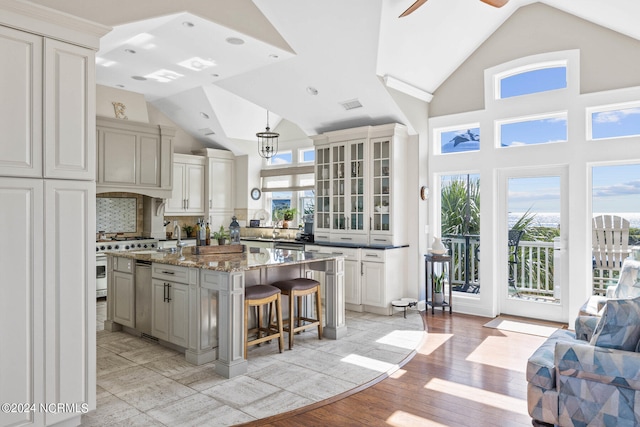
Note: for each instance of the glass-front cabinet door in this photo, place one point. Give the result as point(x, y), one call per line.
point(322, 226)
point(381, 175)
point(348, 187)
point(356, 187)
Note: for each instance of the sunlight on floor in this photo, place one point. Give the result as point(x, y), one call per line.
point(403, 339)
point(401, 418)
point(398, 374)
point(504, 353)
point(489, 398)
point(368, 363)
point(433, 341)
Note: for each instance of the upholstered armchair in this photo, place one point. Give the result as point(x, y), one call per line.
point(628, 286)
point(591, 378)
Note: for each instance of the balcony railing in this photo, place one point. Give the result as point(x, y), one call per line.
point(533, 274)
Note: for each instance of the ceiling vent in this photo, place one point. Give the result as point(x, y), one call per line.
point(350, 105)
point(206, 131)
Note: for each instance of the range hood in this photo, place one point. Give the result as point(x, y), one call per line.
point(134, 157)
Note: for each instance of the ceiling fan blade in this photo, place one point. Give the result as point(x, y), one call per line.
point(495, 3)
point(413, 7)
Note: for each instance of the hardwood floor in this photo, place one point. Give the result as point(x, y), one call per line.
point(463, 375)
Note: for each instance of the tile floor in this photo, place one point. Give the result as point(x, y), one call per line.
point(140, 383)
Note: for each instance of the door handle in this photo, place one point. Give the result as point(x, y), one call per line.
point(168, 292)
point(164, 292)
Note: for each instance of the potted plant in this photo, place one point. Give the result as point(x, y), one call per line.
point(188, 231)
point(221, 235)
point(288, 215)
point(438, 294)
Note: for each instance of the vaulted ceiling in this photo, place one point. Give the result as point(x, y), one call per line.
point(219, 65)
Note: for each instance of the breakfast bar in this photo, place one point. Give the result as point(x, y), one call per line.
point(195, 303)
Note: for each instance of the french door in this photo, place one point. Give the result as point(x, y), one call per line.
point(532, 254)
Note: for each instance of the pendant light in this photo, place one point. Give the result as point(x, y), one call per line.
point(267, 141)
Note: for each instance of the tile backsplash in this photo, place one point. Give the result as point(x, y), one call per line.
point(116, 215)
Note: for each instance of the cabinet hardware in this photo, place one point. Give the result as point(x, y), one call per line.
point(379, 240)
point(168, 292)
point(168, 272)
point(361, 268)
point(371, 255)
point(345, 238)
point(210, 205)
point(164, 292)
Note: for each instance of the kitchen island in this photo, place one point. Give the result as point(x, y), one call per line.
point(197, 301)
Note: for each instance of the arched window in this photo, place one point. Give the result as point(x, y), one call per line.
point(531, 79)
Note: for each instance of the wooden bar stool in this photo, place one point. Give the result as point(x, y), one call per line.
point(258, 296)
point(296, 289)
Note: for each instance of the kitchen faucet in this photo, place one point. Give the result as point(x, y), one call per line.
point(179, 243)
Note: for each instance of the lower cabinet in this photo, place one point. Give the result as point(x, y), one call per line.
point(372, 277)
point(170, 312)
point(124, 298)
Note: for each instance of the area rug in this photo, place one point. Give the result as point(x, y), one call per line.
point(521, 326)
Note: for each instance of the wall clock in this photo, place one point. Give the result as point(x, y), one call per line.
point(256, 193)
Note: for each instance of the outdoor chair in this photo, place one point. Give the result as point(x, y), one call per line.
point(610, 246)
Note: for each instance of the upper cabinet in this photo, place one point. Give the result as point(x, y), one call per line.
point(48, 113)
point(134, 157)
point(188, 196)
point(361, 186)
point(219, 186)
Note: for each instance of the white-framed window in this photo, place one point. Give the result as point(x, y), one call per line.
point(532, 130)
point(465, 137)
point(532, 78)
point(613, 121)
point(281, 158)
point(307, 155)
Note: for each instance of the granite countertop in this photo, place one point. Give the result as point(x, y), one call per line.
point(251, 259)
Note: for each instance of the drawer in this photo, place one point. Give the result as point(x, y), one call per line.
point(169, 272)
point(347, 253)
point(125, 265)
point(381, 241)
point(373, 255)
point(322, 237)
point(350, 238)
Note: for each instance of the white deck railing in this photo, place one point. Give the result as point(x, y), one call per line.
point(533, 273)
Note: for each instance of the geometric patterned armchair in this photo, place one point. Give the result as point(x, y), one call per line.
point(593, 381)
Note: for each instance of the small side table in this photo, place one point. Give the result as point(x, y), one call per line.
point(429, 262)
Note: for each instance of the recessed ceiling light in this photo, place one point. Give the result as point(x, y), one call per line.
point(351, 104)
point(188, 24)
point(204, 115)
point(119, 85)
point(164, 76)
point(235, 40)
point(274, 56)
point(215, 75)
point(138, 78)
point(312, 90)
point(197, 64)
point(131, 51)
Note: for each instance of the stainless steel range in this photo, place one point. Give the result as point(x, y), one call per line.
point(118, 244)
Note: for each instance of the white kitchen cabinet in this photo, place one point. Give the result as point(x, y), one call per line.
point(170, 311)
point(47, 117)
point(219, 186)
point(21, 108)
point(21, 298)
point(124, 292)
point(70, 292)
point(187, 197)
point(373, 279)
point(69, 111)
point(135, 157)
point(54, 139)
point(361, 186)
